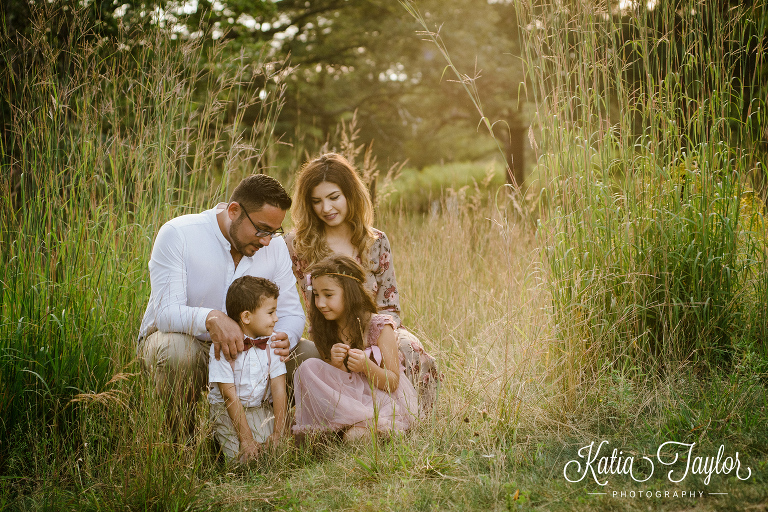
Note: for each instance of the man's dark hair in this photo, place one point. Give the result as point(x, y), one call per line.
point(247, 293)
point(259, 189)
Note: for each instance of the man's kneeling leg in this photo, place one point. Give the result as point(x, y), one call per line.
point(177, 363)
point(304, 350)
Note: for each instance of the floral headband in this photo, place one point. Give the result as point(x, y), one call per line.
point(309, 278)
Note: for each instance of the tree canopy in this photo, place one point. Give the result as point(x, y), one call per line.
point(371, 57)
point(368, 56)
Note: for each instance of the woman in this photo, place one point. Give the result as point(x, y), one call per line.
point(333, 214)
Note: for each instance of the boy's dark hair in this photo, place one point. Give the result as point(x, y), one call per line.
point(247, 293)
point(259, 189)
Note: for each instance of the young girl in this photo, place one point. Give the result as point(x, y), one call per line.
point(359, 384)
point(333, 214)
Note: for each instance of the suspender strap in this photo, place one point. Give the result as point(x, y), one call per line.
point(269, 370)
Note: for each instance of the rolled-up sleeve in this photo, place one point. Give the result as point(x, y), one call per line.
point(168, 277)
point(290, 315)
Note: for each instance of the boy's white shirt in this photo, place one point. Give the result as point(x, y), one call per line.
point(249, 375)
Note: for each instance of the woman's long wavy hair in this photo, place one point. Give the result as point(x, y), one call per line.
point(309, 242)
point(358, 304)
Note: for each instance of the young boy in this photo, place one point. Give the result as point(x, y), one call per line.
point(240, 391)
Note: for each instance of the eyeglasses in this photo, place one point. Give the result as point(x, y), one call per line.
point(260, 233)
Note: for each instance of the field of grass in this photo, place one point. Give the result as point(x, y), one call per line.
point(421, 191)
point(627, 304)
point(474, 290)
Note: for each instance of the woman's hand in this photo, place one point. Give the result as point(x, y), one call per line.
point(338, 353)
point(357, 361)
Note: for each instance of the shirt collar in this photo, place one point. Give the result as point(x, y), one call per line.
point(219, 235)
point(216, 229)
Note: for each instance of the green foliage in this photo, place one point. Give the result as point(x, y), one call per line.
point(367, 57)
point(423, 190)
point(663, 272)
point(655, 239)
point(94, 160)
point(99, 155)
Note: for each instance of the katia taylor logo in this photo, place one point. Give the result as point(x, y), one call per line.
point(598, 464)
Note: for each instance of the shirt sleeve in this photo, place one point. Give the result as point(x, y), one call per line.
point(290, 315)
point(387, 296)
point(297, 268)
point(220, 371)
point(168, 278)
point(277, 367)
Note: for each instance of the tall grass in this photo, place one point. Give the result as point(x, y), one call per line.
point(100, 155)
point(108, 138)
point(650, 125)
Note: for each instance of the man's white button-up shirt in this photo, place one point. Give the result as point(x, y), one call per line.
point(191, 269)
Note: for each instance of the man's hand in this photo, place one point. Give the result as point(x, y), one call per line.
point(282, 346)
point(357, 361)
point(226, 335)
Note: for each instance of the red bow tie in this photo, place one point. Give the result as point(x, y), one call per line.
point(260, 342)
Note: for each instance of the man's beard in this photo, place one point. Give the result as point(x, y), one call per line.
point(236, 242)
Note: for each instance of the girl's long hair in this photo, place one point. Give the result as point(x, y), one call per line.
point(309, 243)
point(358, 304)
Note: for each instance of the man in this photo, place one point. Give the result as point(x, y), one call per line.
point(194, 260)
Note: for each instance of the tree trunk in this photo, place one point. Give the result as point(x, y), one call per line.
point(515, 149)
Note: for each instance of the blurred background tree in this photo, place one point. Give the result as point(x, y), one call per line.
point(355, 55)
point(366, 56)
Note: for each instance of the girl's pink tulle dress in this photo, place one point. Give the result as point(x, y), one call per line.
point(331, 399)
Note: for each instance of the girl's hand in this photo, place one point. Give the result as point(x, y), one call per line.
point(338, 353)
point(357, 360)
